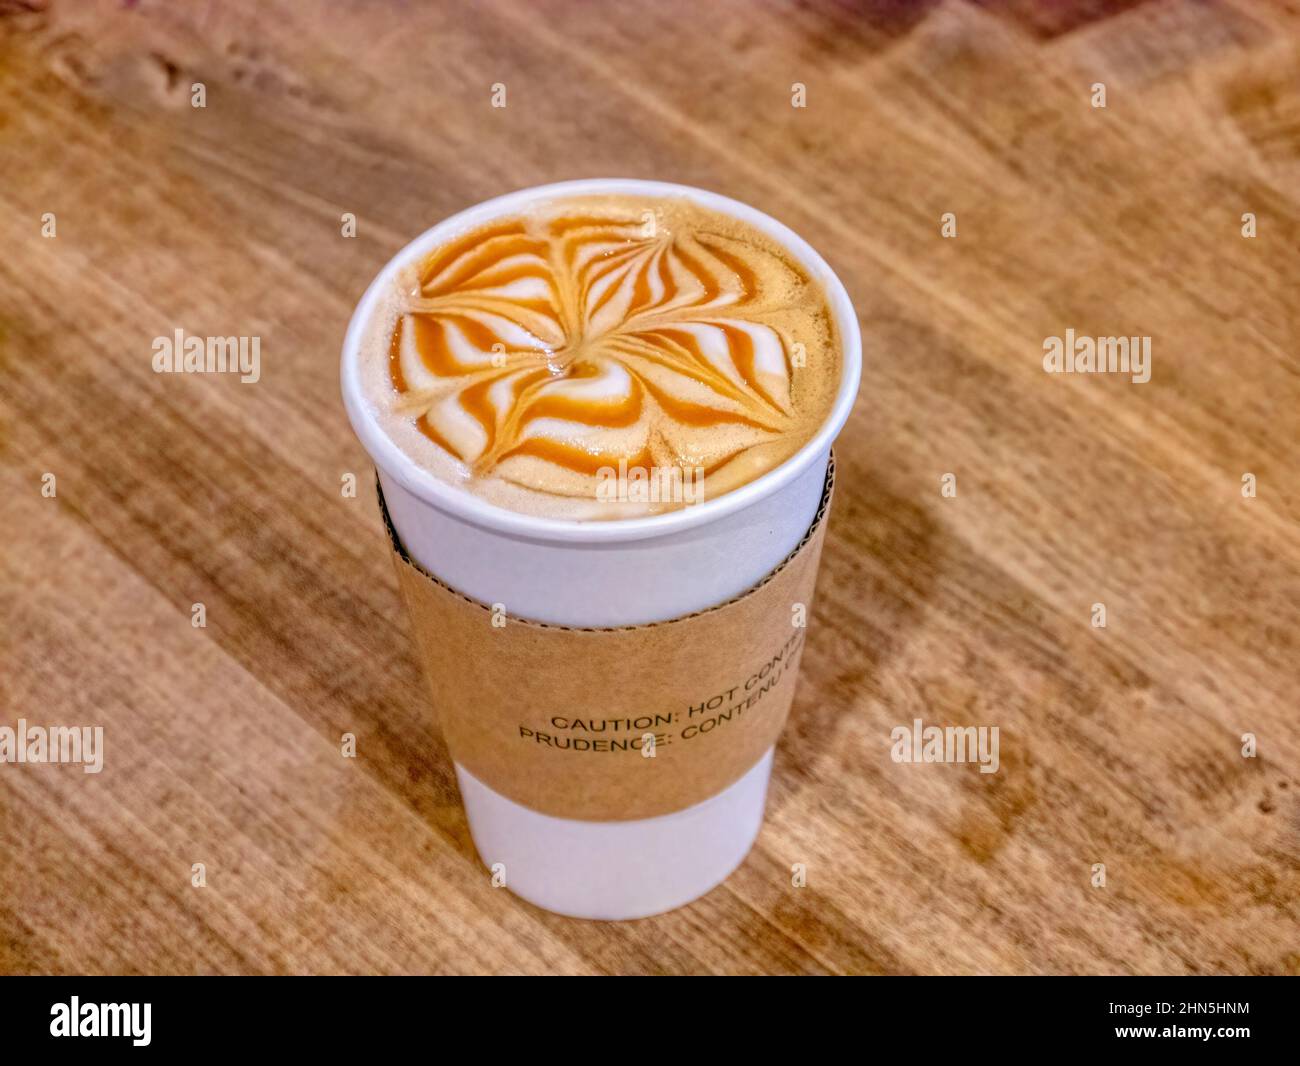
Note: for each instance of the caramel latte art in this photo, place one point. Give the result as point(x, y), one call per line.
point(529, 359)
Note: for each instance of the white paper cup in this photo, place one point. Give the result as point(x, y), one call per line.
point(602, 574)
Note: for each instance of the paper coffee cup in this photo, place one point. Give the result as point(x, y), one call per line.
point(648, 572)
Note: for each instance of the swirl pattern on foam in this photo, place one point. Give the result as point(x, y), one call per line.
point(537, 350)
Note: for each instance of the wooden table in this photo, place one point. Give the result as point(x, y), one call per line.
point(1119, 745)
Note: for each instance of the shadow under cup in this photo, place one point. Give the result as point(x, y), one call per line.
point(604, 575)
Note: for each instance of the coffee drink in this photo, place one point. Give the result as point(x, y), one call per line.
point(497, 372)
point(603, 357)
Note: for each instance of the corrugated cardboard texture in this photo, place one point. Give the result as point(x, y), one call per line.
point(556, 718)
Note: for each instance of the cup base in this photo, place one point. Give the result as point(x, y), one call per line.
point(615, 871)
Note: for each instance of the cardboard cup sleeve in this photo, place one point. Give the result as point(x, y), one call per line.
point(561, 719)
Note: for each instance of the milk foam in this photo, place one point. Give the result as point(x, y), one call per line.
point(526, 359)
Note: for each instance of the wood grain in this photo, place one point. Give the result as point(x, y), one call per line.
point(1119, 745)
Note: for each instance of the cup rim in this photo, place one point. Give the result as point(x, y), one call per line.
point(462, 504)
